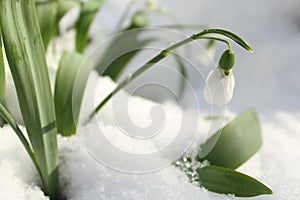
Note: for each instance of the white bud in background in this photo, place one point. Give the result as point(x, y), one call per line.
point(151, 5)
point(219, 87)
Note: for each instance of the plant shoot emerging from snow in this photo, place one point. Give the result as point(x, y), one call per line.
point(28, 26)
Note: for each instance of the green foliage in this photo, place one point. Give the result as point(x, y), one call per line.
point(2, 78)
point(26, 57)
point(124, 47)
point(227, 149)
point(224, 33)
point(48, 22)
point(227, 181)
point(235, 143)
point(120, 52)
point(2, 73)
point(64, 6)
point(73, 68)
point(49, 13)
point(88, 12)
point(12, 122)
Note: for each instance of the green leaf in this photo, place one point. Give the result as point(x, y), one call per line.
point(227, 181)
point(124, 47)
point(2, 73)
point(49, 14)
point(88, 12)
point(73, 67)
point(26, 56)
point(48, 22)
point(120, 52)
point(225, 33)
point(118, 65)
point(12, 122)
point(65, 6)
point(2, 78)
point(235, 143)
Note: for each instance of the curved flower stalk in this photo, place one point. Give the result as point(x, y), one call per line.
point(226, 61)
point(220, 81)
point(219, 87)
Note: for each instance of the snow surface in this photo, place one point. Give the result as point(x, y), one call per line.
point(87, 174)
point(267, 80)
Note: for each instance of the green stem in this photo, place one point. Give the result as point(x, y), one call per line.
point(12, 122)
point(165, 53)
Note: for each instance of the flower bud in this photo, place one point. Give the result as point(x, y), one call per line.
point(139, 20)
point(226, 61)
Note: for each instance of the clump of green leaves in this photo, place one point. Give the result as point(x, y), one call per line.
point(26, 57)
point(214, 165)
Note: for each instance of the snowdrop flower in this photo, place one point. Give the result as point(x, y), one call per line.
point(220, 81)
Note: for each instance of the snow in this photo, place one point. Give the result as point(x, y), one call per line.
point(98, 162)
point(87, 174)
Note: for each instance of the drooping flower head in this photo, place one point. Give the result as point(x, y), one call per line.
point(220, 82)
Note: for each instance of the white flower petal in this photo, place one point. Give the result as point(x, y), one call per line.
point(219, 87)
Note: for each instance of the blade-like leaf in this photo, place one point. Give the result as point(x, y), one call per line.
point(225, 33)
point(12, 122)
point(227, 181)
point(124, 47)
point(65, 6)
point(72, 67)
point(235, 143)
point(48, 21)
point(26, 56)
point(2, 78)
point(2, 73)
point(88, 12)
point(49, 15)
point(114, 60)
